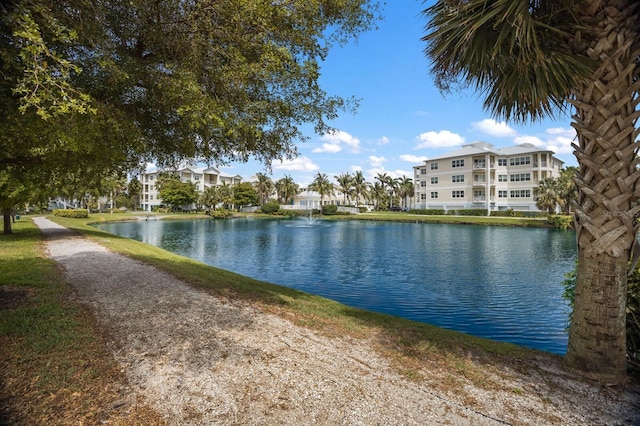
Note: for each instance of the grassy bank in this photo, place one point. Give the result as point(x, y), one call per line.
point(55, 366)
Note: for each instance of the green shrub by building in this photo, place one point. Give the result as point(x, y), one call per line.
point(270, 208)
point(73, 213)
point(329, 209)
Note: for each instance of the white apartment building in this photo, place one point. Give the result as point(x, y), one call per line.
point(202, 177)
point(481, 176)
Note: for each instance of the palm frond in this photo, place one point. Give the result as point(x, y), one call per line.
point(517, 53)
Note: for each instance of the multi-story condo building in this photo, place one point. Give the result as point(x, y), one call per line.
point(202, 177)
point(481, 176)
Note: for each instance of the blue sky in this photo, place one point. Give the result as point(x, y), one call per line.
point(402, 119)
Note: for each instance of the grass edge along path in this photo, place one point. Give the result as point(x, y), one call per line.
point(54, 364)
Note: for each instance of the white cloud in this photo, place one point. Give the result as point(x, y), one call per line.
point(413, 158)
point(338, 137)
point(327, 147)
point(383, 140)
point(567, 132)
point(376, 161)
point(491, 127)
point(533, 140)
point(442, 139)
point(298, 164)
point(560, 145)
point(356, 169)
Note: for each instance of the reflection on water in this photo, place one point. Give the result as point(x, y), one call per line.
point(498, 282)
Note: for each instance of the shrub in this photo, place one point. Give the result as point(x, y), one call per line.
point(468, 212)
point(429, 212)
point(270, 208)
point(220, 214)
point(560, 221)
point(73, 213)
point(329, 209)
point(363, 209)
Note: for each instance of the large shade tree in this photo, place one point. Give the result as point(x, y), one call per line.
point(532, 58)
point(120, 83)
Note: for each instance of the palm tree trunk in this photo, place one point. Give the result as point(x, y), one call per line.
point(608, 185)
point(597, 339)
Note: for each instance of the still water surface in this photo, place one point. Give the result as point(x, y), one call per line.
point(501, 283)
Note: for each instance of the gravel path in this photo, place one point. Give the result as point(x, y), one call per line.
point(199, 360)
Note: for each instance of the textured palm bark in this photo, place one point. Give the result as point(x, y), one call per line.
point(607, 180)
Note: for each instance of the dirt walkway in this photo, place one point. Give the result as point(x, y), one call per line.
point(198, 360)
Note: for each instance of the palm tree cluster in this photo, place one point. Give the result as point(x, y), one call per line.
point(385, 193)
point(555, 194)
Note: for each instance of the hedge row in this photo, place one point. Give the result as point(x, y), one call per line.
point(74, 213)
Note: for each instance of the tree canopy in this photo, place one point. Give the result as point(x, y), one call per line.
point(105, 85)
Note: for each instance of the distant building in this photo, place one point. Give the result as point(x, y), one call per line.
point(481, 176)
point(202, 177)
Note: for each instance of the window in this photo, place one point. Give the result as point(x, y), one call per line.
point(521, 193)
point(478, 178)
point(150, 187)
point(151, 197)
point(502, 194)
point(423, 171)
point(479, 163)
point(197, 187)
point(196, 177)
point(502, 178)
point(457, 194)
point(434, 180)
point(434, 195)
point(457, 163)
point(434, 166)
point(502, 162)
point(423, 196)
point(457, 178)
point(151, 177)
point(519, 161)
point(423, 183)
point(521, 177)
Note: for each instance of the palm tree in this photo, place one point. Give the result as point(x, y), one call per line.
point(378, 193)
point(549, 197)
point(345, 185)
point(380, 189)
point(531, 59)
point(263, 186)
point(360, 186)
point(567, 188)
point(210, 198)
point(286, 189)
point(322, 186)
point(406, 190)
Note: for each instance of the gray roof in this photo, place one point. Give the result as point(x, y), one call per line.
point(477, 148)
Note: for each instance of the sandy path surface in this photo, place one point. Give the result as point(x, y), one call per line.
point(198, 360)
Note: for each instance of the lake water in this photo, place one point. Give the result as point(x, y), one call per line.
point(502, 283)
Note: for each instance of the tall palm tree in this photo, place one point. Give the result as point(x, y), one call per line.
point(286, 189)
point(360, 186)
point(406, 190)
point(531, 59)
point(322, 186)
point(549, 197)
point(345, 185)
point(263, 186)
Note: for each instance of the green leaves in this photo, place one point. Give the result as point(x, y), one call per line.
point(519, 54)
